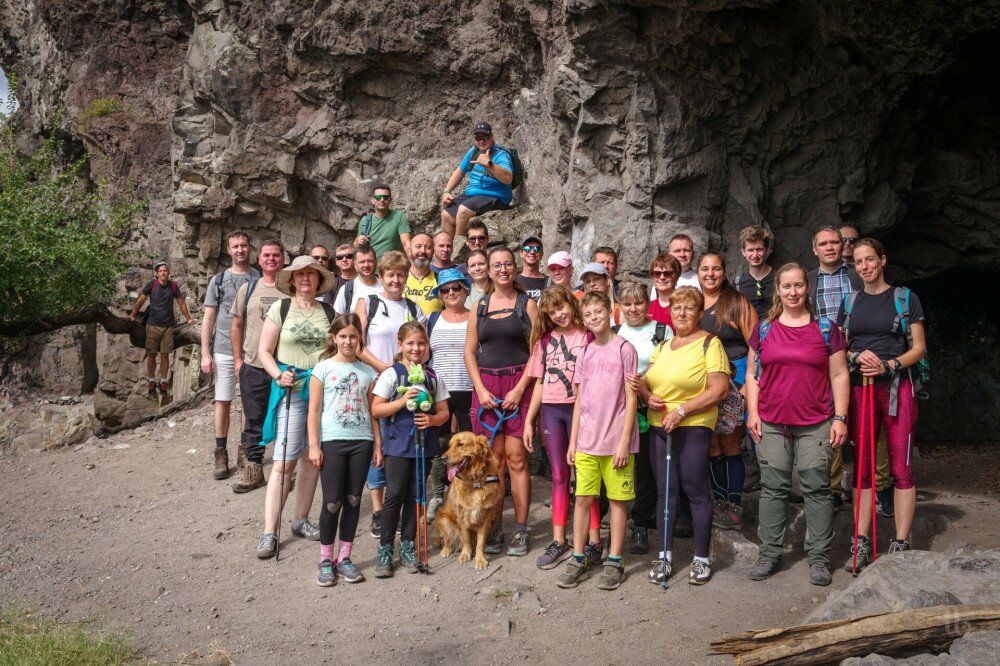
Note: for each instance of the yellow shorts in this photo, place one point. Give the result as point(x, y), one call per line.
point(591, 470)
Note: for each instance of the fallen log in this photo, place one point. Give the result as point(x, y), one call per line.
point(826, 642)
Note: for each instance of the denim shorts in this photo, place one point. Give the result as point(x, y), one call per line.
point(376, 477)
point(297, 441)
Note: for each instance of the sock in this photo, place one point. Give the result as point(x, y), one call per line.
point(578, 557)
point(345, 551)
point(704, 560)
point(717, 477)
point(152, 380)
point(736, 471)
point(220, 442)
point(615, 559)
point(670, 555)
point(520, 527)
point(325, 552)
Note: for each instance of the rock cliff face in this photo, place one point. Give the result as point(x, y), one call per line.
point(635, 120)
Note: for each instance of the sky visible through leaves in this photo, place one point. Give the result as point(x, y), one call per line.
point(3, 94)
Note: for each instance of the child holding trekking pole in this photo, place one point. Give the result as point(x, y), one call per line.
point(398, 446)
point(342, 441)
point(604, 439)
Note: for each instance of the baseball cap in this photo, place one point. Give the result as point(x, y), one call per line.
point(594, 267)
point(560, 258)
point(157, 265)
point(531, 237)
point(482, 128)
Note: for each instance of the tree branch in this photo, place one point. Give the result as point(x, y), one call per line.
point(112, 323)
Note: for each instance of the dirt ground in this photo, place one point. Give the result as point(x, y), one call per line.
point(133, 532)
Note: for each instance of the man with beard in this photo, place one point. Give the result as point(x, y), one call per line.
point(757, 281)
point(421, 281)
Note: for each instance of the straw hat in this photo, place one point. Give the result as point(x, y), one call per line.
point(284, 279)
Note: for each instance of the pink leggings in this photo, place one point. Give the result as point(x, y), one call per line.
point(557, 420)
point(898, 432)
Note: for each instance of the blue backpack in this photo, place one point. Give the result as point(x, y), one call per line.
point(825, 326)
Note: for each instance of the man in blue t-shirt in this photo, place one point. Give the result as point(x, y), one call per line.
point(491, 171)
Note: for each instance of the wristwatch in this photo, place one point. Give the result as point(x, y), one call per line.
point(680, 410)
point(838, 417)
point(489, 164)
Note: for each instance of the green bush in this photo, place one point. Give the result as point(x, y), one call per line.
point(102, 106)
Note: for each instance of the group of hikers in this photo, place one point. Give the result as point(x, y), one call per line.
point(643, 399)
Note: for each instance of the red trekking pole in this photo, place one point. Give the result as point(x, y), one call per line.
point(858, 467)
point(871, 462)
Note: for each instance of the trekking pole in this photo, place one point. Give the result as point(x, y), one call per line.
point(281, 496)
point(871, 462)
point(418, 493)
point(858, 456)
point(423, 495)
point(666, 513)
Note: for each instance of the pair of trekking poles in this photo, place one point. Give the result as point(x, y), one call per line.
point(867, 414)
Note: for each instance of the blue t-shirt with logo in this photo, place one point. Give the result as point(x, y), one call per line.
point(481, 183)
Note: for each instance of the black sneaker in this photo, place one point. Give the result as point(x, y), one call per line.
point(763, 569)
point(898, 546)
point(376, 528)
point(593, 553)
point(639, 541)
point(861, 555)
point(885, 502)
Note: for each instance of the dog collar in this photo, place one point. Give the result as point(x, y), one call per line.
point(493, 478)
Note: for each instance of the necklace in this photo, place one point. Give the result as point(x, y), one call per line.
point(302, 311)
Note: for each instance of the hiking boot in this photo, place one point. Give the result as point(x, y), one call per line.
point(383, 566)
point(495, 541)
point(638, 541)
point(885, 502)
point(376, 528)
point(594, 553)
point(861, 555)
point(575, 572)
point(898, 546)
point(408, 556)
point(819, 574)
point(266, 545)
point(151, 394)
point(327, 574)
point(700, 573)
point(253, 477)
point(518, 546)
point(614, 574)
point(241, 456)
point(658, 573)
point(221, 469)
point(683, 527)
point(763, 569)
point(553, 555)
point(350, 573)
point(303, 528)
point(432, 508)
point(727, 516)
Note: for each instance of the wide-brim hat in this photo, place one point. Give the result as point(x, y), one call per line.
point(284, 279)
point(451, 275)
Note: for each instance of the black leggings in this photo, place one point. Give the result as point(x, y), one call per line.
point(343, 474)
point(400, 496)
point(688, 471)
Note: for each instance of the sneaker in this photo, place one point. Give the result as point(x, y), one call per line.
point(819, 574)
point(518, 546)
point(763, 569)
point(575, 572)
point(614, 574)
point(495, 542)
point(553, 555)
point(151, 394)
point(727, 516)
point(898, 546)
point(885, 502)
point(863, 548)
point(659, 573)
point(408, 556)
point(253, 477)
point(266, 545)
point(220, 470)
point(594, 553)
point(683, 527)
point(351, 573)
point(639, 541)
point(383, 566)
point(700, 573)
point(432, 508)
point(303, 528)
point(376, 528)
point(327, 574)
point(163, 389)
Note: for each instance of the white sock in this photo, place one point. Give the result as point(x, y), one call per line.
point(703, 560)
point(152, 379)
point(669, 555)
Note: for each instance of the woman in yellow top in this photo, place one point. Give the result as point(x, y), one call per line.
point(685, 380)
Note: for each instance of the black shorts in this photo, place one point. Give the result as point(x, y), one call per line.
point(479, 203)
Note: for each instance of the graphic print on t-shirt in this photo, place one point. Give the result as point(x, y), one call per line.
point(561, 363)
point(351, 399)
point(308, 337)
point(265, 304)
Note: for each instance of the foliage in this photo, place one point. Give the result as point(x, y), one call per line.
point(27, 639)
point(64, 240)
point(102, 106)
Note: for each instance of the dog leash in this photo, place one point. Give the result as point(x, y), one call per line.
point(501, 415)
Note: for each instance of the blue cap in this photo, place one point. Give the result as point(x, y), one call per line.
point(595, 268)
point(451, 275)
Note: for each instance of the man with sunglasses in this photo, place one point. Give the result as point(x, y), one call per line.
point(490, 170)
point(849, 235)
point(757, 281)
point(345, 269)
point(384, 229)
point(477, 239)
point(531, 278)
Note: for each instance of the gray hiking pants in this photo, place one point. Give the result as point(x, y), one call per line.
point(808, 448)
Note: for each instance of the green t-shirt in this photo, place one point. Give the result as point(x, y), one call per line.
point(384, 234)
point(303, 336)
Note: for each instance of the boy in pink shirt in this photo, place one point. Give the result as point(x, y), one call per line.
point(604, 439)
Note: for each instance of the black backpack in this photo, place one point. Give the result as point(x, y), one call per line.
point(659, 334)
point(515, 161)
point(374, 300)
point(286, 304)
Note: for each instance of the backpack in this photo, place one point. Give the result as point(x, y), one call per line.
point(659, 335)
point(144, 317)
point(366, 224)
point(431, 321)
point(286, 305)
point(373, 301)
point(517, 173)
point(731, 407)
point(520, 309)
point(825, 326)
point(348, 295)
point(246, 302)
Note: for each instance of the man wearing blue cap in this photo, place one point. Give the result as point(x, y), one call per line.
point(491, 172)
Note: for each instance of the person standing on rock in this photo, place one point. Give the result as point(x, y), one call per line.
point(217, 356)
point(757, 281)
point(798, 389)
point(560, 266)
point(250, 307)
point(885, 334)
point(362, 286)
point(664, 270)
point(385, 229)
point(530, 278)
point(159, 321)
point(421, 280)
point(491, 172)
point(682, 247)
point(293, 338)
point(442, 252)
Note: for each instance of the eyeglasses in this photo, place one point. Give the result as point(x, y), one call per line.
point(496, 265)
point(850, 240)
point(662, 274)
point(760, 289)
point(320, 257)
point(532, 248)
point(683, 309)
point(476, 239)
point(482, 137)
point(381, 197)
point(448, 290)
point(341, 257)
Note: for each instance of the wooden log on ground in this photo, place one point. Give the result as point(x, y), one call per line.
point(827, 642)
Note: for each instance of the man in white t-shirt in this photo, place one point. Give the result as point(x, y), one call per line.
point(360, 287)
point(682, 247)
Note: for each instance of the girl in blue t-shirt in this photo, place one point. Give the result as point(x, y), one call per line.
point(341, 442)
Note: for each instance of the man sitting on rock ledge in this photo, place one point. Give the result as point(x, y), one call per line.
point(491, 172)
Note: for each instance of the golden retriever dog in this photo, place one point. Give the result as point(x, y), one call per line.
point(470, 509)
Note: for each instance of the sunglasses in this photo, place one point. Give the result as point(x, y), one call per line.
point(476, 239)
point(661, 274)
point(532, 248)
point(760, 289)
point(341, 257)
point(482, 137)
point(448, 290)
point(850, 240)
point(320, 257)
point(381, 197)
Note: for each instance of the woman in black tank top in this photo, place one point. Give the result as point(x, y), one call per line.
point(496, 352)
point(730, 316)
